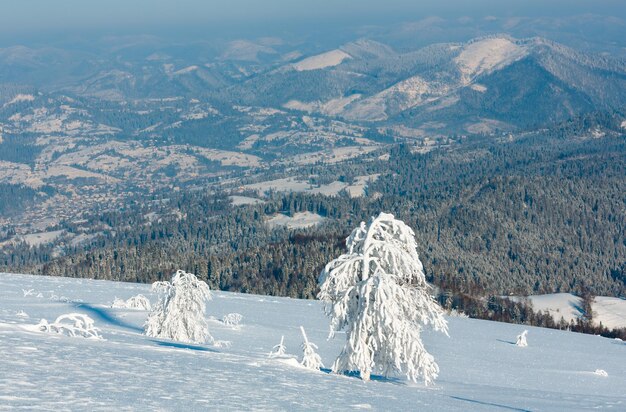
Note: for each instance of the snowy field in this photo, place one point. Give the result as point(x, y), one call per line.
point(609, 311)
point(299, 220)
point(481, 368)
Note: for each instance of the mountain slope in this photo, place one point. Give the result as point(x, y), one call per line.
point(518, 82)
point(481, 368)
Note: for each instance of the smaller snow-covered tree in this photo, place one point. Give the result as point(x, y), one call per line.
point(521, 339)
point(232, 319)
point(179, 312)
point(71, 324)
point(280, 349)
point(139, 302)
point(310, 358)
point(118, 304)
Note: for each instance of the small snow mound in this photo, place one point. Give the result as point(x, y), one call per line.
point(601, 372)
point(71, 324)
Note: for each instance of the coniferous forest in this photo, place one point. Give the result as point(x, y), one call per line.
point(543, 212)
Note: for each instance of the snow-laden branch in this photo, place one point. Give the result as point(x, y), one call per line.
point(278, 350)
point(378, 294)
point(71, 324)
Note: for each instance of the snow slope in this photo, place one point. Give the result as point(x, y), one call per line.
point(481, 368)
point(610, 311)
point(299, 220)
point(486, 55)
point(321, 61)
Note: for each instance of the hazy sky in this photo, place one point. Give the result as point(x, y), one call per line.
point(24, 17)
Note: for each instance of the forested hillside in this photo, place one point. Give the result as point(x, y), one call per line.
point(540, 212)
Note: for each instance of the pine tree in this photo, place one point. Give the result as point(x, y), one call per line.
point(378, 293)
point(310, 358)
point(280, 349)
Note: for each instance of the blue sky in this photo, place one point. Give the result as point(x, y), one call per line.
point(33, 16)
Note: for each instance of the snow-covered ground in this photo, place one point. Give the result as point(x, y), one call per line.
point(608, 310)
point(481, 368)
point(299, 220)
point(290, 184)
point(487, 54)
point(244, 200)
point(329, 59)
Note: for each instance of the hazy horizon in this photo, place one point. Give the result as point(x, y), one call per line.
point(40, 20)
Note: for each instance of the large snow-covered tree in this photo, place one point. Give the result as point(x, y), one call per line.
point(377, 292)
point(179, 312)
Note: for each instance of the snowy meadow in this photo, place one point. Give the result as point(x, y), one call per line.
point(481, 368)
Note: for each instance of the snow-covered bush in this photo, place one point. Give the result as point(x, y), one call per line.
point(280, 349)
point(232, 319)
point(179, 312)
point(71, 324)
point(521, 339)
point(118, 304)
point(139, 302)
point(310, 358)
point(378, 293)
point(22, 314)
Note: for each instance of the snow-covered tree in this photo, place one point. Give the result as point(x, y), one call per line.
point(179, 312)
point(521, 339)
point(378, 293)
point(71, 324)
point(310, 358)
point(139, 302)
point(280, 349)
point(232, 319)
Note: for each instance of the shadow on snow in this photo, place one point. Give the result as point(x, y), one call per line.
point(182, 345)
point(506, 341)
point(104, 315)
point(511, 408)
point(377, 378)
